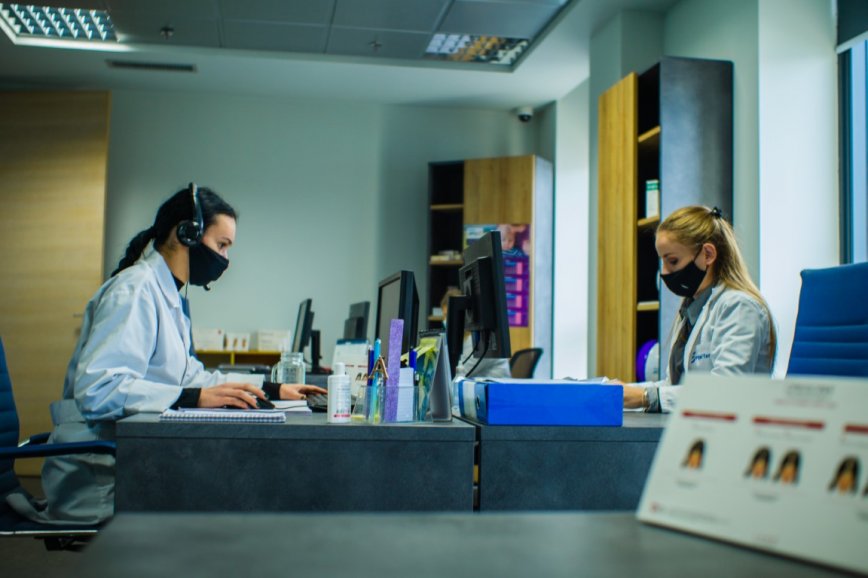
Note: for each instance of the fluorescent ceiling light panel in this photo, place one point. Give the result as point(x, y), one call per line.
point(28, 24)
point(470, 48)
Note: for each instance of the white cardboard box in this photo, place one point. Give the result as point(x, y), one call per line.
point(237, 341)
point(272, 339)
point(208, 339)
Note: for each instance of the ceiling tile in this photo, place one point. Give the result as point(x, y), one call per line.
point(186, 9)
point(507, 19)
point(409, 15)
point(298, 12)
point(350, 41)
point(145, 29)
point(279, 37)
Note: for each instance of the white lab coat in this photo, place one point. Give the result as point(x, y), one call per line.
point(132, 356)
point(731, 337)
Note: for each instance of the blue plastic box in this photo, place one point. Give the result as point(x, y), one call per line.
point(543, 403)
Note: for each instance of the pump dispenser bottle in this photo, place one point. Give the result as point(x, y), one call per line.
point(339, 398)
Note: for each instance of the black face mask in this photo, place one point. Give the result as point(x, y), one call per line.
point(686, 281)
point(206, 265)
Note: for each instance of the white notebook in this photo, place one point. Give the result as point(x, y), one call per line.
point(225, 415)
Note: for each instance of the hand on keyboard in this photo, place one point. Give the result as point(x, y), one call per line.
point(318, 402)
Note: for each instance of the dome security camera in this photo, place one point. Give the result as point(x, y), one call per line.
point(524, 113)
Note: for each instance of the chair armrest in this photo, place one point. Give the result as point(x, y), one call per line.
point(48, 450)
point(39, 438)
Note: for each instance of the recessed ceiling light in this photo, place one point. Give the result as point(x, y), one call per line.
point(470, 48)
point(68, 27)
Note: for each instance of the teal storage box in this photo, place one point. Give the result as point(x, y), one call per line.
point(530, 402)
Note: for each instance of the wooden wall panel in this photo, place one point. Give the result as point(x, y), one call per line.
point(53, 158)
point(616, 299)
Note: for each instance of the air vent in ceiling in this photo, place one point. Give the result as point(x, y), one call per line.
point(154, 66)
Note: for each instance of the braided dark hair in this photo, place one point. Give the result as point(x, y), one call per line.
point(179, 207)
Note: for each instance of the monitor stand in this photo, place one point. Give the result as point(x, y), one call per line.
point(315, 356)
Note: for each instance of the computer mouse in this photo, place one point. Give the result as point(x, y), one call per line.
point(263, 404)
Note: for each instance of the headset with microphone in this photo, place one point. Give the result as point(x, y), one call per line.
point(190, 232)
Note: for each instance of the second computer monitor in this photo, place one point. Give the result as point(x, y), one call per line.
point(356, 324)
point(303, 324)
point(482, 309)
point(397, 298)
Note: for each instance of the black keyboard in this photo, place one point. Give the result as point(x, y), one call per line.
point(318, 402)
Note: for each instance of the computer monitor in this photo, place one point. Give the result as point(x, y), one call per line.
point(482, 308)
point(303, 324)
point(397, 299)
point(356, 324)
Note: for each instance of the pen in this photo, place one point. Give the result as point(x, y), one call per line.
point(370, 363)
point(412, 363)
point(377, 345)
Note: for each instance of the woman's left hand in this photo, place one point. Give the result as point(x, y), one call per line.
point(298, 390)
point(634, 397)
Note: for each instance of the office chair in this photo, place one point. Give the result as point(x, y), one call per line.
point(832, 324)
point(56, 537)
point(523, 362)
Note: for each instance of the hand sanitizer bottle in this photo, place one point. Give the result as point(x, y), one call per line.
point(339, 399)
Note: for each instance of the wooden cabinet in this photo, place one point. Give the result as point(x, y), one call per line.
point(504, 190)
point(671, 124)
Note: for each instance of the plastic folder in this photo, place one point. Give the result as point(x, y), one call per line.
point(534, 402)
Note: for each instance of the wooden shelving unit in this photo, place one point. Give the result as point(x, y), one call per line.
point(213, 358)
point(505, 190)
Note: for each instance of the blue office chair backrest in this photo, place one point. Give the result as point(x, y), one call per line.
point(9, 427)
point(832, 325)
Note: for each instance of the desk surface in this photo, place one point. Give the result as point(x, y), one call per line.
point(418, 545)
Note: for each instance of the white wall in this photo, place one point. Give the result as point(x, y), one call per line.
point(798, 144)
point(332, 195)
point(728, 31)
point(572, 221)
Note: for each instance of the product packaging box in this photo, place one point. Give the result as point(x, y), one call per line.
point(237, 341)
point(271, 340)
point(652, 198)
point(541, 402)
point(208, 339)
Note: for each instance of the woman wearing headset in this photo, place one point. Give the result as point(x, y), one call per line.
point(134, 353)
point(724, 326)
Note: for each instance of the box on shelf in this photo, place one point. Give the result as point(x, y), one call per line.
point(540, 402)
point(652, 198)
point(237, 341)
point(208, 339)
point(271, 339)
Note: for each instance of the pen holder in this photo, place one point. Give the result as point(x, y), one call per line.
point(360, 407)
point(375, 400)
point(407, 404)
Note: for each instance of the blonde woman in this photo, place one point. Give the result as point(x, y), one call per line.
point(724, 325)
